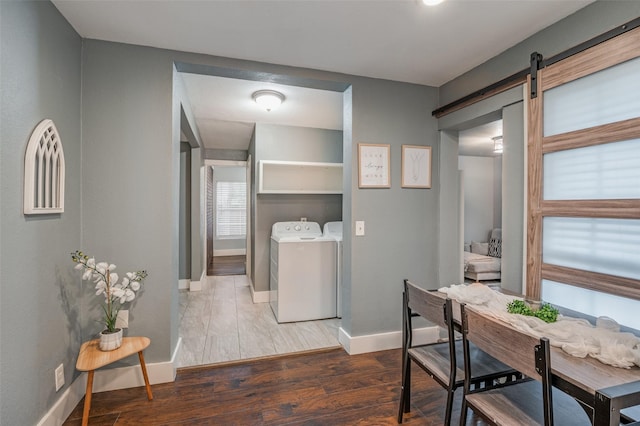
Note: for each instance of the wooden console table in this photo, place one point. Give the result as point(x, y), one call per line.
point(91, 358)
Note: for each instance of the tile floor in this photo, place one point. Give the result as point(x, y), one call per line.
point(221, 323)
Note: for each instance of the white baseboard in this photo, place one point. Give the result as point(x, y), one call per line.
point(259, 296)
point(384, 341)
point(107, 380)
point(63, 407)
point(230, 252)
point(197, 285)
point(184, 284)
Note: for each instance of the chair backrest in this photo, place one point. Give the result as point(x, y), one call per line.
point(521, 351)
point(426, 303)
point(500, 340)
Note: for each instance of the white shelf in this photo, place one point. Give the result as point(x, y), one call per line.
point(298, 177)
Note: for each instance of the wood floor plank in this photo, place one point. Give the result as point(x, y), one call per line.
point(227, 265)
point(330, 387)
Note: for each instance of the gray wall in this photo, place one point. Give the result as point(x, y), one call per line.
point(195, 262)
point(482, 196)
point(43, 302)
point(198, 219)
point(251, 152)
point(497, 190)
point(131, 132)
point(288, 143)
point(401, 224)
point(449, 215)
point(513, 197)
point(184, 262)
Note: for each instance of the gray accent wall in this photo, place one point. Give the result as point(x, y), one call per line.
point(43, 302)
point(482, 196)
point(198, 219)
point(184, 262)
point(401, 224)
point(195, 220)
point(450, 216)
point(513, 197)
point(131, 147)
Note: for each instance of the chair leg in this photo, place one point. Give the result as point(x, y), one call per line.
point(401, 405)
point(405, 390)
point(447, 414)
point(463, 412)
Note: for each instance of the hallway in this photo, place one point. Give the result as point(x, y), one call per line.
point(221, 324)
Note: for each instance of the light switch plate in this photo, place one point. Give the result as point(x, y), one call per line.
point(359, 228)
point(59, 375)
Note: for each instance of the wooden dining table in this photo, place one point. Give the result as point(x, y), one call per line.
point(602, 390)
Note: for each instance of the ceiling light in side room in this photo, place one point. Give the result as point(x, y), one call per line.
point(497, 144)
point(268, 99)
point(432, 2)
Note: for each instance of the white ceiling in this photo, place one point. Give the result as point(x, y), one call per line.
point(225, 111)
point(478, 141)
point(400, 40)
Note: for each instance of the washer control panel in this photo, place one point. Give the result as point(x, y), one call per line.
point(296, 229)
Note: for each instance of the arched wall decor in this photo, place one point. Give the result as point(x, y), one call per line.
point(44, 171)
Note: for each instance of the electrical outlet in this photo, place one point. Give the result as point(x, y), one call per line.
point(59, 377)
point(122, 320)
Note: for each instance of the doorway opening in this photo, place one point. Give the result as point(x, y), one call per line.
point(230, 317)
point(480, 165)
point(227, 212)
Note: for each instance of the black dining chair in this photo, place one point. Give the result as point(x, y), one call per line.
point(440, 359)
point(526, 402)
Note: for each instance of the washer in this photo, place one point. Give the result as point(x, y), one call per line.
point(333, 230)
point(302, 283)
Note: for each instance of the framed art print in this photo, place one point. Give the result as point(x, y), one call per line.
point(416, 166)
point(373, 166)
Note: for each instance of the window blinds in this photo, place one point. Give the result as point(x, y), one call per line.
point(231, 209)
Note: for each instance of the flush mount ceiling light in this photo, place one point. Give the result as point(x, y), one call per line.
point(432, 2)
point(268, 99)
point(497, 144)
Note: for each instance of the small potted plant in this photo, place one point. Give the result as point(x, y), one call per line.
point(116, 294)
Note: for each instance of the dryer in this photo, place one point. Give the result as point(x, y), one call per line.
point(333, 230)
point(302, 284)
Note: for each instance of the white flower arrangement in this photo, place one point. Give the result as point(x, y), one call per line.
point(115, 293)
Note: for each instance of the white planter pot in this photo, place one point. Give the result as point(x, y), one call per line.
point(110, 340)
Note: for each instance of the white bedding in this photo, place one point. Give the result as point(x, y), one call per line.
point(474, 262)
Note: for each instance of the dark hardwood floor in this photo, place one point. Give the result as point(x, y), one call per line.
point(227, 265)
point(320, 388)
